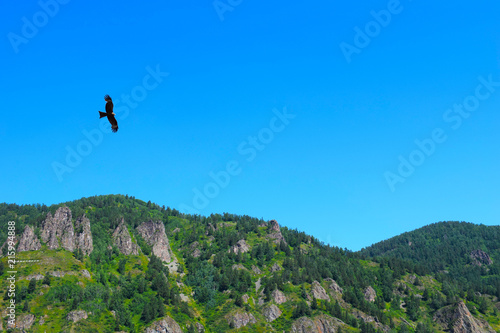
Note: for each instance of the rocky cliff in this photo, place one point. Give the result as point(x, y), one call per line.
point(123, 241)
point(164, 325)
point(57, 231)
point(275, 232)
point(458, 319)
point(319, 292)
point(240, 246)
point(319, 324)
point(271, 312)
point(29, 241)
point(154, 234)
point(240, 319)
point(481, 257)
point(83, 240)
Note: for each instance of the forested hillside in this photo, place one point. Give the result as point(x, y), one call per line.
point(464, 255)
point(118, 264)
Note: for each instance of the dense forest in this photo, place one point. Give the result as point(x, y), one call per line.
point(413, 276)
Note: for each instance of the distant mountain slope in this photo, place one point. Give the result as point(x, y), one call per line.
point(466, 252)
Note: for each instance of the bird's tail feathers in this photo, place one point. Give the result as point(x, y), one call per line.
point(102, 114)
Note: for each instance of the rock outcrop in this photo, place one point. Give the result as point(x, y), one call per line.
point(458, 319)
point(24, 322)
point(155, 236)
point(83, 239)
point(275, 268)
point(370, 294)
point(275, 232)
point(334, 286)
point(37, 277)
point(319, 292)
point(164, 325)
point(57, 231)
point(256, 270)
point(271, 312)
point(29, 241)
point(200, 327)
point(76, 316)
point(481, 258)
point(319, 324)
point(279, 297)
point(240, 246)
point(123, 241)
point(240, 319)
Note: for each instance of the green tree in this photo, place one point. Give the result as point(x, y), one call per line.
point(32, 286)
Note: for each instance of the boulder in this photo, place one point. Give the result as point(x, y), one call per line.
point(29, 241)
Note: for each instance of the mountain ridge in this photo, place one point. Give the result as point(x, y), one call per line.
point(229, 273)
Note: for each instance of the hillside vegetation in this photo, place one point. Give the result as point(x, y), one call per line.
point(232, 273)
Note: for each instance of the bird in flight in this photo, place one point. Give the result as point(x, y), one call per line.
point(109, 113)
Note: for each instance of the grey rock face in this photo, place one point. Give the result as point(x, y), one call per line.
point(24, 322)
point(461, 320)
point(319, 292)
point(271, 312)
point(29, 241)
point(275, 268)
point(85, 273)
point(481, 257)
point(83, 238)
point(240, 246)
point(57, 231)
point(319, 324)
point(256, 270)
point(279, 297)
point(334, 286)
point(370, 294)
point(154, 234)
point(275, 232)
point(123, 241)
point(240, 319)
point(164, 325)
point(76, 316)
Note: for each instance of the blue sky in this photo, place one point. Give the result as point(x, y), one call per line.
point(351, 121)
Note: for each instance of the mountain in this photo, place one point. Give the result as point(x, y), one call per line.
point(464, 255)
point(119, 264)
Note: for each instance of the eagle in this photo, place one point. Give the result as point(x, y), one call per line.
point(109, 113)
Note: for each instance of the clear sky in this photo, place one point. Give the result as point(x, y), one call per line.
point(353, 121)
